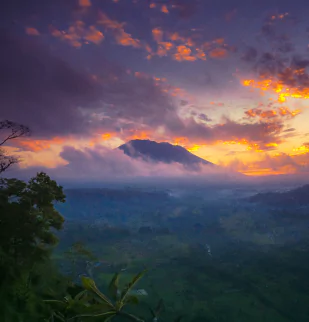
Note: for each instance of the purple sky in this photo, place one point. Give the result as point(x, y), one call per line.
point(92, 74)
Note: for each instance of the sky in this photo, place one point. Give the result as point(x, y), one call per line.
point(228, 80)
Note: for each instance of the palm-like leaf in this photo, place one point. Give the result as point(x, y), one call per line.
point(114, 286)
point(129, 287)
point(90, 285)
point(104, 316)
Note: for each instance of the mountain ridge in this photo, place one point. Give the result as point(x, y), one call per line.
point(161, 152)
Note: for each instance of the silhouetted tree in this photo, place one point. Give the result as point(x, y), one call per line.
point(10, 130)
point(28, 222)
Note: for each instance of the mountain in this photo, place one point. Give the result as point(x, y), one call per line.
point(295, 197)
point(161, 152)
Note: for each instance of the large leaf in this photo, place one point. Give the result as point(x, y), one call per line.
point(90, 285)
point(113, 286)
point(104, 316)
point(129, 287)
point(55, 304)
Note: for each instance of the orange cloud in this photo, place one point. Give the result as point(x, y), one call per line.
point(122, 38)
point(101, 137)
point(278, 84)
point(84, 3)
point(39, 145)
point(279, 16)
point(163, 48)
point(32, 31)
point(185, 48)
point(184, 53)
point(157, 34)
point(78, 34)
point(218, 53)
point(303, 149)
point(164, 9)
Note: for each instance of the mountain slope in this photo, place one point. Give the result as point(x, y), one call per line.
point(160, 152)
point(296, 197)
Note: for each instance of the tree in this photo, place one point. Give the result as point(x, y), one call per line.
point(28, 220)
point(10, 131)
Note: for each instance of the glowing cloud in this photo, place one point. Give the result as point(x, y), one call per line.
point(32, 31)
point(78, 34)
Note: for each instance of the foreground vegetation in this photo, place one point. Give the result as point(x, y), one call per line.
point(31, 288)
point(75, 280)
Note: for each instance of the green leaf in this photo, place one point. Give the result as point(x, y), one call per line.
point(56, 304)
point(105, 316)
point(129, 287)
point(113, 286)
point(90, 285)
point(81, 295)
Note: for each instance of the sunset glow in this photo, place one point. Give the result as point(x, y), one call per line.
point(92, 75)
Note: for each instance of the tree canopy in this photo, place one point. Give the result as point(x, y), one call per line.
point(28, 221)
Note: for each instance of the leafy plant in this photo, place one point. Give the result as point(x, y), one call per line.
point(92, 303)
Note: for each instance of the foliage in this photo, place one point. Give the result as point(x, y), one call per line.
point(28, 221)
point(91, 302)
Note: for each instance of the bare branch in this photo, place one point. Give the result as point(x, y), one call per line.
point(11, 131)
point(16, 130)
point(6, 161)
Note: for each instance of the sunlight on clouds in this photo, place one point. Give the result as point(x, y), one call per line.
point(78, 34)
point(121, 36)
point(283, 92)
point(84, 3)
point(32, 31)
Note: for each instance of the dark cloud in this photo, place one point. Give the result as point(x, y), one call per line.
point(204, 117)
point(42, 91)
point(291, 129)
point(184, 102)
point(260, 133)
point(185, 9)
point(48, 95)
point(250, 54)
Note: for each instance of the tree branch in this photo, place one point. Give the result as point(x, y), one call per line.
point(16, 130)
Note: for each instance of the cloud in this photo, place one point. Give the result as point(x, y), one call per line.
point(40, 90)
point(78, 34)
point(184, 8)
point(164, 9)
point(32, 31)
point(280, 163)
point(271, 112)
point(184, 54)
point(60, 101)
point(84, 3)
point(278, 70)
point(218, 53)
point(101, 164)
point(121, 36)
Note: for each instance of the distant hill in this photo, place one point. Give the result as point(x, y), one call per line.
point(295, 197)
point(161, 152)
